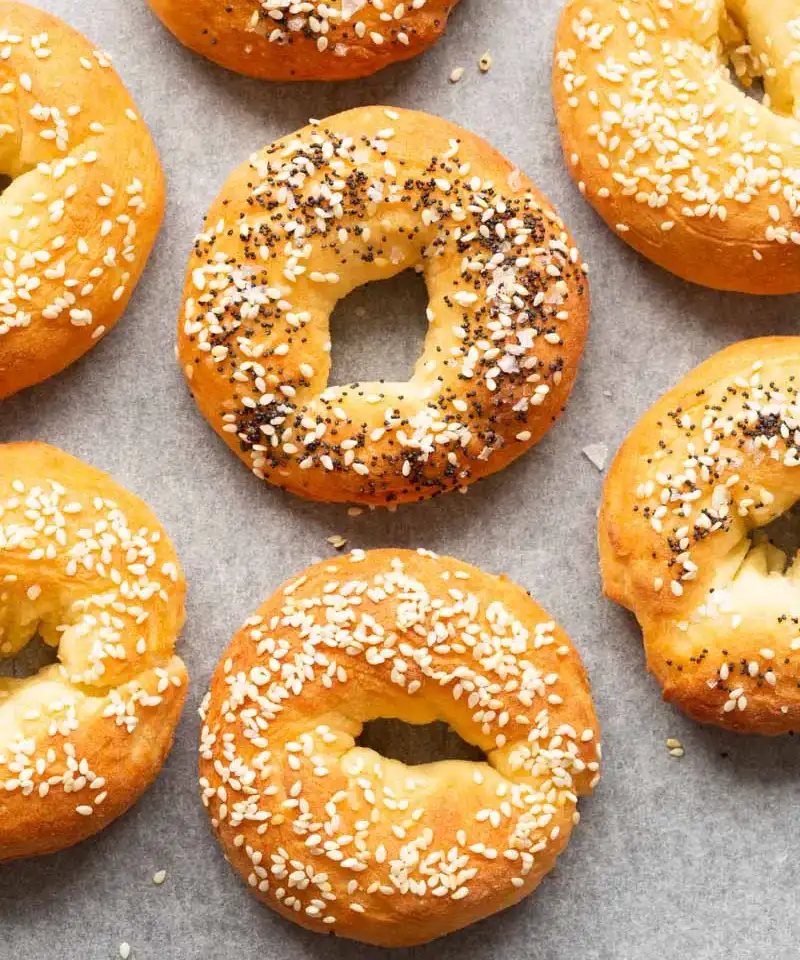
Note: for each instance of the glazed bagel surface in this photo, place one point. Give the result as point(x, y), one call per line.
point(305, 39)
point(86, 567)
point(715, 459)
point(85, 201)
point(360, 197)
point(670, 151)
point(340, 839)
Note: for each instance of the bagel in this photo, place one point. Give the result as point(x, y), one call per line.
point(672, 154)
point(340, 839)
point(86, 567)
point(305, 39)
point(359, 197)
point(85, 201)
point(713, 461)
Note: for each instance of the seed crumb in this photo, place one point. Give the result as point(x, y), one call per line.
point(675, 747)
point(159, 877)
point(355, 511)
point(597, 454)
point(124, 950)
point(456, 75)
point(336, 541)
point(485, 62)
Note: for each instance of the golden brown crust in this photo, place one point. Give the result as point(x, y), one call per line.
point(336, 837)
point(679, 162)
point(285, 40)
point(84, 208)
point(710, 463)
point(356, 198)
point(87, 567)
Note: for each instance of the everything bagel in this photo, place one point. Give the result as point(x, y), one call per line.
point(87, 567)
point(305, 39)
point(715, 459)
point(688, 169)
point(360, 197)
point(85, 202)
point(342, 840)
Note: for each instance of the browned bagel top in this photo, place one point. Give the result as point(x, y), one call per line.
point(714, 460)
point(81, 214)
point(306, 39)
point(671, 152)
point(86, 567)
point(340, 839)
point(360, 197)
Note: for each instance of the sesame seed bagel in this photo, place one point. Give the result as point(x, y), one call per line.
point(81, 214)
point(359, 197)
point(714, 460)
point(305, 39)
point(87, 568)
point(342, 840)
point(672, 154)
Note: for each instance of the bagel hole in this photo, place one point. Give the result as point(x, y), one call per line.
point(378, 331)
point(33, 657)
point(414, 744)
point(756, 89)
point(783, 532)
point(744, 67)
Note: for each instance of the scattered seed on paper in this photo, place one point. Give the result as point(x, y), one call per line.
point(597, 453)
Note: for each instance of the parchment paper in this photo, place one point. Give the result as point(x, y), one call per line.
point(690, 859)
